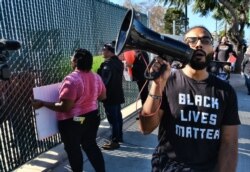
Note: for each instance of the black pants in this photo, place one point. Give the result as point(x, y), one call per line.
point(76, 136)
point(115, 120)
point(162, 163)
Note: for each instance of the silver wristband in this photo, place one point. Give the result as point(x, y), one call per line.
point(155, 96)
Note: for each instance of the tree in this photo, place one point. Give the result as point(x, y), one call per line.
point(177, 15)
point(157, 19)
point(155, 13)
point(142, 7)
point(233, 12)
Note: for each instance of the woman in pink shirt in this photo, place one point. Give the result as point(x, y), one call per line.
point(77, 112)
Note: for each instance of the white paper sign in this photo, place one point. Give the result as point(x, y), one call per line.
point(46, 121)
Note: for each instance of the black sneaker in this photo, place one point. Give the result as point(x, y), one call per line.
point(111, 146)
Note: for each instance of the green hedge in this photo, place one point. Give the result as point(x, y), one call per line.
point(97, 60)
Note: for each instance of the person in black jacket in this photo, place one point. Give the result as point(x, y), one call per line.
point(138, 69)
point(245, 69)
point(111, 71)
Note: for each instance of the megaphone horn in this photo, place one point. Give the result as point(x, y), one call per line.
point(134, 35)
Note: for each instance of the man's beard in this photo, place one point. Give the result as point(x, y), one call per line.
point(200, 65)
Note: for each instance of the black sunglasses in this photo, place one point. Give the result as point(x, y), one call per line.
point(205, 40)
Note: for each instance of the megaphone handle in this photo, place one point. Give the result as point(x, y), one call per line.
point(154, 75)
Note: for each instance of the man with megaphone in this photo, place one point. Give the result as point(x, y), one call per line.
point(197, 113)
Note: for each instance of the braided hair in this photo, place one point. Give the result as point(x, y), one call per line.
point(83, 59)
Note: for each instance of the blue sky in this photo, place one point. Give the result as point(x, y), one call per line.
point(195, 19)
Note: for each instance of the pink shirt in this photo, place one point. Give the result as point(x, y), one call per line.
point(83, 88)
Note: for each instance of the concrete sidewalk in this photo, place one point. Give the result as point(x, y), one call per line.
point(134, 155)
point(237, 81)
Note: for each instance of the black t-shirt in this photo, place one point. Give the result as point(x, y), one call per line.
point(195, 111)
point(140, 65)
point(223, 51)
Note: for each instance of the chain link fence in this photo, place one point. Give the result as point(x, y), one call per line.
point(50, 30)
